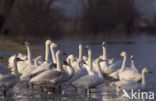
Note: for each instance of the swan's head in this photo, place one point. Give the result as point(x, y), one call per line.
point(72, 57)
point(53, 45)
point(16, 59)
point(48, 42)
point(104, 44)
point(87, 47)
point(89, 51)
point(39, 57)
point(145, 70)
point(60, 52)
point(132, 57)
point(99, 60)
point(80, 45)
point(26, 43)
point(123, 54)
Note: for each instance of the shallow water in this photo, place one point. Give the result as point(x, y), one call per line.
point(143, 48)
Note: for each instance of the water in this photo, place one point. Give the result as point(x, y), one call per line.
point(143, 48)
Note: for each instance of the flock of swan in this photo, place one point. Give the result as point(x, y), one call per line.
point(81, 72)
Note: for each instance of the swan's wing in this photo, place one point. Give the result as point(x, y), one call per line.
point(115, 74)
point(130, 74)
point(52, 75)
point(86, 81)
point(39, 76)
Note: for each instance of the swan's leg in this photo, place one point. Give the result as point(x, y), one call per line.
point(4, 92)
point(88, 92)
point(53, 89)
point(42, 89)
point(60, 89)
point(32, 85)
point(27, 85)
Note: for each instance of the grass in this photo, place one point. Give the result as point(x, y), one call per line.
point(11, 46)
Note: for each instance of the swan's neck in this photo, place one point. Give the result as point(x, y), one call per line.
point(143, 79)
point(68, 60)
point(70, 69)
point(78, 66)
point(36, 62)
point(90, 62)
point(80, 52)
point(53, 54)
point(47, 53)
point(104, 53)
point(105, 63)
point(59, 68)
point(99, 70)
point(15, 71)
point(123, 63)
point(132, 64)
point(29, 55)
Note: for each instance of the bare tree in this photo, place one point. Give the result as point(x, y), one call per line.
point(5, 8)
point(33, 17)
point(105, 15)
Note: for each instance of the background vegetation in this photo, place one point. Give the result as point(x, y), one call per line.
point(38, 19)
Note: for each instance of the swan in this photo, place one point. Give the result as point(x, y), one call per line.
point(52, 46)
point(11, 59)
point(9, 80)
point(21, 65)
point(47, 66)
point(47, 45)
point(105, 66)
point(132, 63)
point(125, 72)
point(79, 71)
point(36, 61)
point(131, 84)
point(80, 52)
point(92, 79)
point(129, 73)
point(25, 77)
point(53, 76)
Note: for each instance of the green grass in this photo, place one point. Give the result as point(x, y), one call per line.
point(10, 46)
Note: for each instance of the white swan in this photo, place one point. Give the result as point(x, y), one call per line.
point(132, 63)
point(47, 48)
point(9, 80)
point(52, 46)
point(27, 75)
point(105, 66)
point(79, 71)
point(129, 73)
point(46, 66)
point(11, 59)
point(74, 63)
point(131, 84)
point(125, 72)
point(92, 79)
point(80, 52)
point(22, 64)
point(54, 76)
